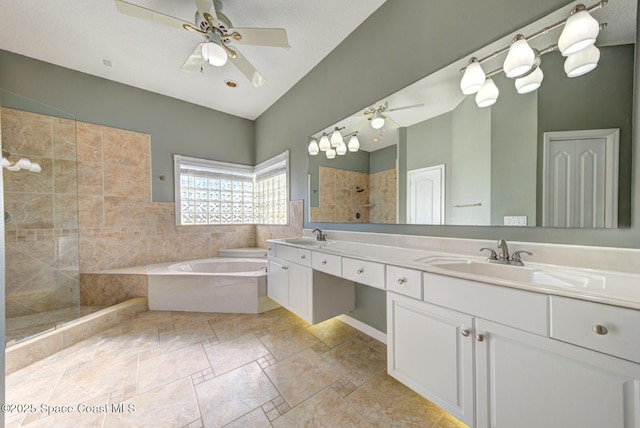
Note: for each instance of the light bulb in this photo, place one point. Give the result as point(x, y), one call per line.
point(5, 162)
point(35, 167)
point(331, 153)
point(580, 31)
point(354, 143)
point(520, 58)
point(341, 150)
point(24, 163)
point(488, 95)
point(313, 147)
point(582, 62)
point(378, 120)
point(531, 82)
point(473, 77)
point(214, 54)
point(324, 143)
point(336, 139)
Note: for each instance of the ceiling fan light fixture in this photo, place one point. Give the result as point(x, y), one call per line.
point(488, 95)
point(354, 144)
point(378, 120)
point(579, 32)
point(530, 82)
point(520, 58)
point(313, 148)
point(473, 77)
point(214, 54)
point(324, 144)
point(336, 139)
point(582, 62)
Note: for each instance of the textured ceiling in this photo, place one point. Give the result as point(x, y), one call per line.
point(82, 35)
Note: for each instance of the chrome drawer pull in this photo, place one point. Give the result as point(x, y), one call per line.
point(465, 332)
point(402, 281)
point(285, 268)
point(302, 257)
point(324, 262)
point(480, 337)
point(600, 329)
point(359, 271)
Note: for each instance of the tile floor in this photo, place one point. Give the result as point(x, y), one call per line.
point(176, 369)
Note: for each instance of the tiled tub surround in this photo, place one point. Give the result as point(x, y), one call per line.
point(222, 370)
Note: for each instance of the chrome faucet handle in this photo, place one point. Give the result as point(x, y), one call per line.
point(492, 256)
point(319, 235)
point(515, 257)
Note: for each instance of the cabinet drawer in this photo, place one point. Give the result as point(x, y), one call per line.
point(286, 252)
point(404, 281)
point(327, 263)
point(608, 329)
point(304, 257)
point(517, 308)
point(363, 272)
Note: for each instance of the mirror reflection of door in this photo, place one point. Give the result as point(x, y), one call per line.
point(580, 178)
point(425, 204)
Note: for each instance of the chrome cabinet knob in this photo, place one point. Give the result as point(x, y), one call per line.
point(302, 257)
point(402, 281)
point(324, 262)
point(465, 332)
point(600, 329)
point(480, 337)
point(285, 267)
point(360, 271)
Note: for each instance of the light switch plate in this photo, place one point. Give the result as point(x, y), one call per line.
point(515, 220)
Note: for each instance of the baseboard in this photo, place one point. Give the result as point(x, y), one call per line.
point(365, 328)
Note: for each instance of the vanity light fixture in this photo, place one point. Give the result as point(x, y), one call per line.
point(523, 62)
point(473, 77)
point(23, 163)
point(313, 148)
point(488, 95)
point(331, 154)
point(354, 143)
point(336, 138)
point(582, 62)
point(341, 150)
point(378, 120)
point(580, 31)
point(324, 144)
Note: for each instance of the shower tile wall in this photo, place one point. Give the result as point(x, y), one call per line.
point(42, 237)
point(340, 200)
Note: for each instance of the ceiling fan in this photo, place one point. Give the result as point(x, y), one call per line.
point(377, 119)
point(219, 33)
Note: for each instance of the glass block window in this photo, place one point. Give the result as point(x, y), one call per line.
point(211, 192)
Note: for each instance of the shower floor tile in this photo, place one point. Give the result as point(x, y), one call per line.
point(179, 369)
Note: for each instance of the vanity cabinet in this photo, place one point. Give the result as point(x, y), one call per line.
point(289, 284)
point(484, 354)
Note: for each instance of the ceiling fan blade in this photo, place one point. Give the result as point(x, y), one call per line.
point(276, 37)
point(404, 108)
point(206, 6)
point(194, 63)
point(149, 15)
point(247, 69)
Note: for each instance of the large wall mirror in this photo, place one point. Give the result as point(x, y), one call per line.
point(559, 156)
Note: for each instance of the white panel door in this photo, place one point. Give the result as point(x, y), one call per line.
point(580, 182)
point(530, 381)
point(426, 195)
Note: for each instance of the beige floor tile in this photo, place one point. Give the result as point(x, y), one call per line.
point(333, 332)
point(187, 334)
point(289, 341)
point(161, 369)
point(301, 376)
point(241, 324)
point(385, 402)
point(152, 320)
point(234, 353)
point(114, 345)
point(171, 405)
point(254, 419)
point(182, 319)
point(225, 398)
point(87, 383)
point(358, 360)
point(448, 421)
point(326, 409)
point(87, 414)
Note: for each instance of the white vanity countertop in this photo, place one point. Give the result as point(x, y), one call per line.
point(601, 286)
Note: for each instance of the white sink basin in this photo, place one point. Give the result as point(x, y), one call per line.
point(521, 274)
point(307, 242)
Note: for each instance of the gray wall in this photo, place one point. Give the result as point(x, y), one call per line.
point(175, 126)
point(383, 159)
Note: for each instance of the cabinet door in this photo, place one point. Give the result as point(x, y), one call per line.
point(430, 349)
point(300, 291)
point(277, 284)
point(525, 380)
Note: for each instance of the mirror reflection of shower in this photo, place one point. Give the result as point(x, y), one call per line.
point(21, 164)
point(7, 217)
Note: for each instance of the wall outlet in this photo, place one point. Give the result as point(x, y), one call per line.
point(515, 220)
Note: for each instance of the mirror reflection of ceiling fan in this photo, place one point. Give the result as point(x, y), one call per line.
point(377, 118)
point(219, 33)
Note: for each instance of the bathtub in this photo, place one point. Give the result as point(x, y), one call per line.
point(237, 285)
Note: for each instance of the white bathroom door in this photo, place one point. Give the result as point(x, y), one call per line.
point(425, 204)
point(580, 181)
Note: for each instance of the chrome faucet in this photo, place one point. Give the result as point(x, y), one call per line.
point(319, 235)
point(503, 257)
